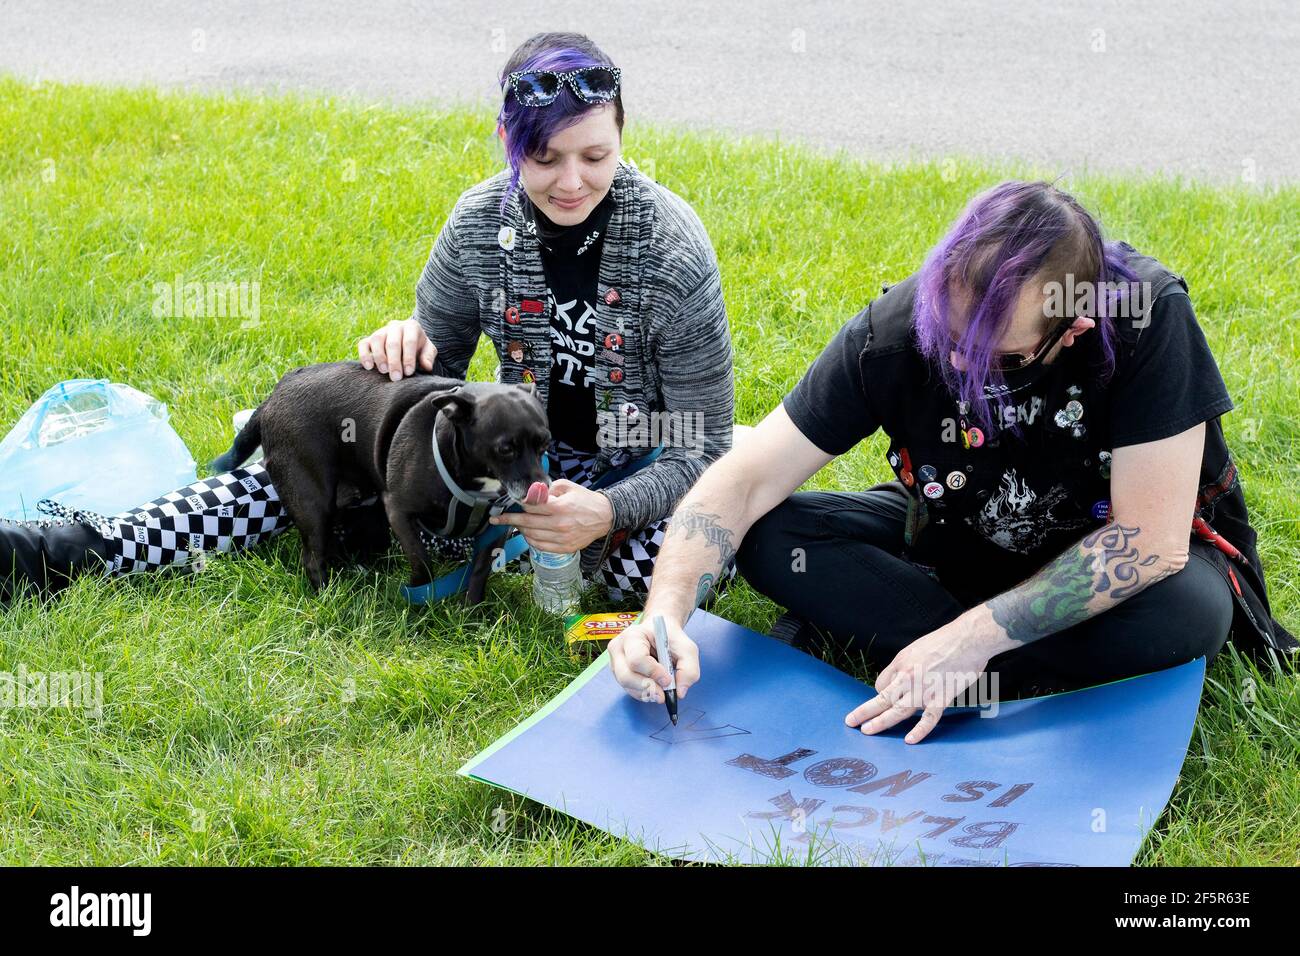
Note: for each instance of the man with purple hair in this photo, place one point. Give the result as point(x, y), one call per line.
point(1065, 511)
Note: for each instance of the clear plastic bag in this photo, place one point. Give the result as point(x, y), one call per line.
point(91, 444)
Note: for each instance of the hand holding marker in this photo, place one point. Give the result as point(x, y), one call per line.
point(643, 660)
point(666, 659)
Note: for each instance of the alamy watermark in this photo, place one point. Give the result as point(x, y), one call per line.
point(42, 690)
point(629, 428)
point(77, 908)
point(958, 688)
point(178, 298)
point(1122, 300)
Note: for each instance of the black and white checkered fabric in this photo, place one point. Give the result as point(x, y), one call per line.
point(227, 512)
point(238, 509)
point(446, 549)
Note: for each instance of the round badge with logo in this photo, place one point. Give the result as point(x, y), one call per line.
point(1101, 510)
point(630, 411)
point(927, 473)
point(956, 480)
point(506, 238)
point(933, 489)
point(975, 437)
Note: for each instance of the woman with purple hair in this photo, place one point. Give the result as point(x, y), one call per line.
point(592, 281)
point(1065, 511)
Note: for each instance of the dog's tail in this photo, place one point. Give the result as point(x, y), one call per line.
point(246, 441)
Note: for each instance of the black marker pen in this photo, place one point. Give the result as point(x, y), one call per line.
point(666, 659)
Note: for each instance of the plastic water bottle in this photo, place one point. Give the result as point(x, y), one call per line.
point(557, 580)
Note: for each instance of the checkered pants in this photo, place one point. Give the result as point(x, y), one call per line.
point(238, 509)
point(227, 512)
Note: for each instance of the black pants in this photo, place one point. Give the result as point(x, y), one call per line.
point(850, 582)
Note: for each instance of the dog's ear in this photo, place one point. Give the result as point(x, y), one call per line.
point(529, 387)
point(459, 405)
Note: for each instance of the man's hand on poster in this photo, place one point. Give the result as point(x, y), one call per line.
point(632, 656)
point(926, 675)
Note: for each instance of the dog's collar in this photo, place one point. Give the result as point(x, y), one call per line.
point(477, 505)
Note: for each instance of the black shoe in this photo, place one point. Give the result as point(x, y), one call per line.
point(46, 555)
point(794, 630)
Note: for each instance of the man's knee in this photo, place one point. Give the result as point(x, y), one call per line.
point(1192, 604)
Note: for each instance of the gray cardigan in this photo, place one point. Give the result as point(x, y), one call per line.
point(662, 341)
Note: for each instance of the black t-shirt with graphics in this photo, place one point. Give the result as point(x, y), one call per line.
point(995, 506)
point(571, 262)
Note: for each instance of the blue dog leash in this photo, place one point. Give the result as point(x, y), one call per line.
point(455, 581)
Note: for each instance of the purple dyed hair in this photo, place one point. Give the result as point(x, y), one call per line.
point(530, 128)
point(1007, 236)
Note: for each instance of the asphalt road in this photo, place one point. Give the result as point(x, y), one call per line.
point(1209, 91)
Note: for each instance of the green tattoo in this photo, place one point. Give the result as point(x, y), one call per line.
point(1057, 596)
point(702, 589)
point(1052, 600)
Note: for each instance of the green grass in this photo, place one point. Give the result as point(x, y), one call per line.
point(248, 722)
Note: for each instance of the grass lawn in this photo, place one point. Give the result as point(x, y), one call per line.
point(248, 722)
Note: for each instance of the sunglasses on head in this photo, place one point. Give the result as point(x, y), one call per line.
point(591, 84)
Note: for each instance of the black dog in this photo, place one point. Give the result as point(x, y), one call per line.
point(337, 432)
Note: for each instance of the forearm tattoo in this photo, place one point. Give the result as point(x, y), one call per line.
point(1106, 563)
point(1118, 560)
point(690, 521)
point(702, 588)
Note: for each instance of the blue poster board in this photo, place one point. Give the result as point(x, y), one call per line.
point(762, 768)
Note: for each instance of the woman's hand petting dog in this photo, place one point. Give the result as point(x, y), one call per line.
point(567, 520)
point(396, 348)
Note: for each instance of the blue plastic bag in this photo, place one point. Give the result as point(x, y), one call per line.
point(91, 444)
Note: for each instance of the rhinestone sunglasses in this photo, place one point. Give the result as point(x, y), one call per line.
point(591, 84)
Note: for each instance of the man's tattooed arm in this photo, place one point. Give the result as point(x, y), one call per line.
point(701, 542)
point(1107, 566)
point(693, 521)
